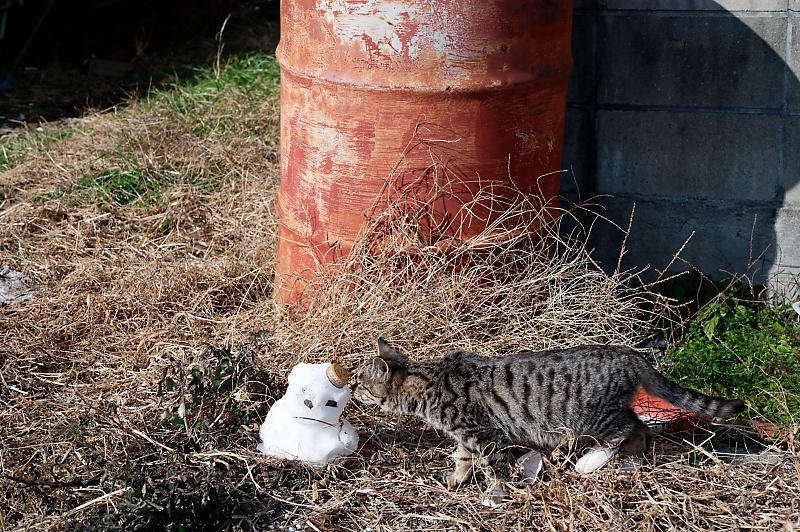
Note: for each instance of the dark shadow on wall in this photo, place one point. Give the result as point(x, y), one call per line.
point(689, 109)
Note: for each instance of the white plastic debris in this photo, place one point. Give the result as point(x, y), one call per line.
point(305, 423)
point(594, 459)
point(14, 286)
point(629, 465)
point(796, 306)
point(489, 502)
point(531, 464)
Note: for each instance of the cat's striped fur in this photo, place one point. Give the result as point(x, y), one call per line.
point(485, 404)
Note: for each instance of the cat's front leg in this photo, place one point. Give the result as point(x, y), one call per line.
point(492, 448)
point(463, 471)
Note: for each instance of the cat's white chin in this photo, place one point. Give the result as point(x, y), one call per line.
point(364, 401)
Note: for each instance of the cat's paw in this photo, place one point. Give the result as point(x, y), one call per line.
point(452, 479)
point(496, 496)
point(594, 459)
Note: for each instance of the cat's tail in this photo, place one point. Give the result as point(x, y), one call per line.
point(656, 384)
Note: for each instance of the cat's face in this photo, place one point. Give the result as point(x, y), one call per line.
point(374, 379)
point(372, 382)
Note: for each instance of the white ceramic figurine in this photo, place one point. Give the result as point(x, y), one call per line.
point(304, 424)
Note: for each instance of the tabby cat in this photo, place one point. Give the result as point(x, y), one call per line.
point(534, 398)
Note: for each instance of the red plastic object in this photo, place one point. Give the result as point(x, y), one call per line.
point(772, 432)
point(655, 410)
point(366, 83)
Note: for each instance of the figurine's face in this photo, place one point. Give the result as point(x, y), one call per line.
point(312, 396)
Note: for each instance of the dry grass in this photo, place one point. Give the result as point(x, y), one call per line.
point(519, 284)
point(115, 413)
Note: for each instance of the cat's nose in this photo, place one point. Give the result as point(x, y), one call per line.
point(308, 403)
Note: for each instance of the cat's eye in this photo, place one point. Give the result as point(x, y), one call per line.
point(332, 403)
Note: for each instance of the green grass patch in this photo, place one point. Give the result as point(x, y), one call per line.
point(745, 349)
point(14, 149)
point(217, 107)
point(254, 75)
point(123, 187)
point(241, 82)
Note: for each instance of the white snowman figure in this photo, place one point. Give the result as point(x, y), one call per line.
point(304, 424)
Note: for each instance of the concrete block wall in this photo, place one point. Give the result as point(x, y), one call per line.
point(691, 110)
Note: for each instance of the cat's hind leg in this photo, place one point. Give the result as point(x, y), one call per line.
point(595, 458)
point(638, 441)
point(495, 460)
point(627, 433)
point(635, 446)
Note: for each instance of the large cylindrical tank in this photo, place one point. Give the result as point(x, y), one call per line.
point(366, 82)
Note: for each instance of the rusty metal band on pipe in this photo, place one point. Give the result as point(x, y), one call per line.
point(361, 80)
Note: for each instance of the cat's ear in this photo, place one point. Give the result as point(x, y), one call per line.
point(391, 354)
point(381, 369)
point(384, 349)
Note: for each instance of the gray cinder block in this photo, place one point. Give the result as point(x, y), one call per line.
point(791, 174)
point(793, 89)
point(578, 146)
point(787, 231)
point(581, 79)
point(694, 114)
point(587, 4)
point(706, 61)
point(688, 155)
point(721, 241)
point(699, 5)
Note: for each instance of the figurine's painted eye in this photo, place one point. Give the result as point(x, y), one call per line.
point(332, 403)
point(308, 403)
